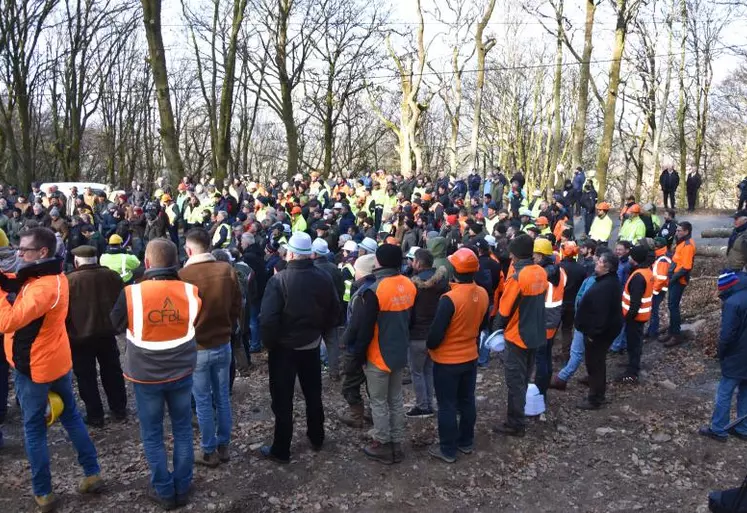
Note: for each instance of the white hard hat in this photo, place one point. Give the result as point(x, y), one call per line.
point(525, 212)
point(490, 240)
point(320, 246)
point(350, 246)
point(369, 245)
point(411, 252)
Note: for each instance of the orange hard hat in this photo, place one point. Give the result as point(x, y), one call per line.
point(542, 220)
point(182, 186)
point(464, 261)
point(391, 240)
point(635, 208)
point(296, 210)
point(569, 249)
point(603, 206)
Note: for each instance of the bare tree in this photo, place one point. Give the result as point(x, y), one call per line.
point(157, 58)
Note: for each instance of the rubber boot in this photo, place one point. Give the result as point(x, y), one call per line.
point(353, 416)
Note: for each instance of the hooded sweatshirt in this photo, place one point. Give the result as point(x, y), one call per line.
point(430, 284)
point(437, 247)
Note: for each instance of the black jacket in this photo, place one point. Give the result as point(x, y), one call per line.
point(576, 275)
point(252, 257)
point(599, 314)
point(299, 305)
point(334, 273)
point(693, 183)
point(669, 181)
point(431, 284)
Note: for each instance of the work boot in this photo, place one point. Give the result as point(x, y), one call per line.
point(211, 460)
point(506, 430)
point(91, 484)
point(353, 416)
point(398, 454)
point(165, 503)
point(377, 451)
point(96, 422)
point(675, 341)
point(46, 503)
point(558, 384)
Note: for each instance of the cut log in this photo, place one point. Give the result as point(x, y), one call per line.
point(716, 233)
point(711, 251)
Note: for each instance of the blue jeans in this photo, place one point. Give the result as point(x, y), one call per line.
point(722, 406)
point(210, 389)
point(4, 389)
point(675, 296)
point(150, 400)
point(33, 397)
point(483, 353)
point(577, 356)
point(653, 325)
point(621, 341)
point(543, 364)
point(455, 393)
point(255, 344)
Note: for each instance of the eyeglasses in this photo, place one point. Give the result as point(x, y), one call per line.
point(22, 250)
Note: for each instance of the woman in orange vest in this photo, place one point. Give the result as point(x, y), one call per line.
point(637, 300)
point(452, 344)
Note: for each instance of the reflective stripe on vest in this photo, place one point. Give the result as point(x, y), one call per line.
point(550, 300)
point(661, 281)
point(216, 235)
point(644, 311)
point(348, 288)
point(169, 314)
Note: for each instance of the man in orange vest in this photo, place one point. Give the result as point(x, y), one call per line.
point(33, 308)
point(452, 344)
point(661, 283)
point(521, 314)
point(382, 344)
point(159, 316)
point(679, 277)
point(556, 281)
point(637, 300)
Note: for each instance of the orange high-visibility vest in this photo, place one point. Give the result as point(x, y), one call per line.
point(554, 303)
point(160, 315)
point(460, 340)
point(396, 297)
point(644, 312)
point(660, 271)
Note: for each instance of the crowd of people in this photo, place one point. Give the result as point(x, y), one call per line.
point(372, 281)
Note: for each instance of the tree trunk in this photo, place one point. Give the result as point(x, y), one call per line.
point(557, 91)
point(226, 98)
point(683, 99)
point(157, 57)
point(656, 145)
point(579, 129)
point(605, 147)
point(482, 48)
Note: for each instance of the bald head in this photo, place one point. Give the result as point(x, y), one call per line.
point(160, 253)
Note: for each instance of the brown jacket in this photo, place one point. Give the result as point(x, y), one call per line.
point(93, 292)
point(221, 298)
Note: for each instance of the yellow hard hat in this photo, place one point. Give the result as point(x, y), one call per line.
point(165, 198)
point(543, 247)
point(115, 240)
point(54, 407)
point(158, 193)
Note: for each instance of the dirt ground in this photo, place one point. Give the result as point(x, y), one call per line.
point(640, 453)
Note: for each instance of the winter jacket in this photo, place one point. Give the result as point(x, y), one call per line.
point(221, 298)
point(693, 183)
point(576, 275)
point(334, 273)
point(732, 346)
point(522, 306)
point(431, 284)
point(599, 315)
point(93, 293)
point(437, 247)
point(669, 181)
point(578, 181)
point(668, 230)
point(736, 254)
point(299, 305)
point(345, 222)
point(252, 257)
point(354, 310)
point(36, 341)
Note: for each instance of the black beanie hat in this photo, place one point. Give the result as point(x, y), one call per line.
point(389, 255)
point(522, 247)
point(639, 254)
